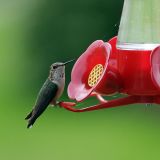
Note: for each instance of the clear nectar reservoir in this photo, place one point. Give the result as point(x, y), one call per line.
point(140, 25)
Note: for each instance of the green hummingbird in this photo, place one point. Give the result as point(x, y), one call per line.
point(51, 90)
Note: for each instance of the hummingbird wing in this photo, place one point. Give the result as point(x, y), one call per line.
point(45, 96)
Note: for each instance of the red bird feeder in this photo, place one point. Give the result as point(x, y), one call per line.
point(117, 66)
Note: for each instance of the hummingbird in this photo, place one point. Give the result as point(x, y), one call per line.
point(50, 92)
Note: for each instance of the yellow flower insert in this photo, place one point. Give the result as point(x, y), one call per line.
point(95, 74)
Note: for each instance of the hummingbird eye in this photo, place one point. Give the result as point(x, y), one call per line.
point(54, 67)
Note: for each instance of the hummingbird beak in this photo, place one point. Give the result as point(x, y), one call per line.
point(63, 64)
point(68, 61)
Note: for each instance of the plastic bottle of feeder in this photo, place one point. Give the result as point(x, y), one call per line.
point(140, 25)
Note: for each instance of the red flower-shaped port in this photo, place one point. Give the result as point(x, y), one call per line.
point(89, 70)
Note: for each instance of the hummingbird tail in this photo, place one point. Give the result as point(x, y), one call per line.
point(29, 115)
point(31, 119)
point(30, 123)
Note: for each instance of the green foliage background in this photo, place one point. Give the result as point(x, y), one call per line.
point(33, 35)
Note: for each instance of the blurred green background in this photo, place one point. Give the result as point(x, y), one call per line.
point(33, 35)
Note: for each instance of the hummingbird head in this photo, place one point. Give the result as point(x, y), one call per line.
point(57, 71)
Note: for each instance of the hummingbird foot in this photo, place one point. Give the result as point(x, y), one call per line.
point(54, 103)
point(57, 103)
